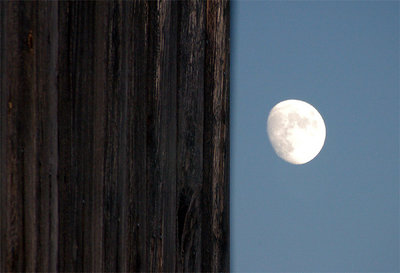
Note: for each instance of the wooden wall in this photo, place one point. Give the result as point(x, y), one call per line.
point(114, 129)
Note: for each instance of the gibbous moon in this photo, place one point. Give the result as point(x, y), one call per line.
point(296, 131)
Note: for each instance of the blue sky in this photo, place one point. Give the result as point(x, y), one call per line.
point(339, 212)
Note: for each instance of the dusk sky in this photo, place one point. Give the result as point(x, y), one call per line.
point(340, 211)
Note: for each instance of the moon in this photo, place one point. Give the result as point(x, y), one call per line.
point(296, 131)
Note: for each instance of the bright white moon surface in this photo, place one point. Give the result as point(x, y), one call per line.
point(296, 130)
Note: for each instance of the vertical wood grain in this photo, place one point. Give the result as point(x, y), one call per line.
point(12, 188)
point(161, 137)
point(215, 195)
point(45, 45)
point(29, 132)
point(114, 136)
point(3, 139)
point(126, 11)
point(65, 176)
point(114, 123)
point(75, 118)
point(135, 197)
point(95, 239)
point(191, 39)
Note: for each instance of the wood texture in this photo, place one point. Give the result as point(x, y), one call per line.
point(114, 129)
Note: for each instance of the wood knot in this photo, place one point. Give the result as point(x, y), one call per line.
point(10, 105)
point(30, 40)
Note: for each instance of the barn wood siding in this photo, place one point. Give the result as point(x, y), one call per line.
point(114, 129)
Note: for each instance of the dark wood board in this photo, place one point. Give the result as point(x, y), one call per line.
point(114, 129)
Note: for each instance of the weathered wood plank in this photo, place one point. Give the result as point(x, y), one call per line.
point(135, 197)
point(3, 137)
point(190, 133)
point(65, 176)
point(75, 119)
point(45, 46)
point(13, 248)
point(29, 132)
point(96, 246)
point(161, 137)
point(126, 14)
point(215, 195)
point(168, 134)
point(114, 136)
